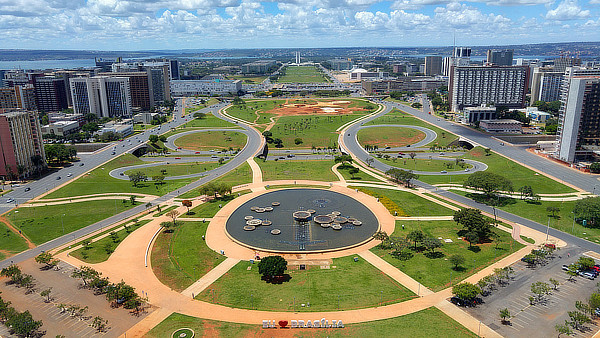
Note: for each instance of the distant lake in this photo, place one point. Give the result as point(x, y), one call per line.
point(48, 64)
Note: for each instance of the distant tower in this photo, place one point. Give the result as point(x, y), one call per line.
point(297, 58)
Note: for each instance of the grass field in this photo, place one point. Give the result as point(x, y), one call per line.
point(389, 136)
point(436, 273)
point(211, 207)
point(303, 74)
point(398, 117)
point(254, 110)
point(209, 121)
point(176, 169)
point(348, 283)
point(360, 176)
point(98, 181)
point(427, 323)
point(238, 176)
point(10, 243)
point(222, 140)
point(406, 203)
point(515, 172)
point(248, 79)
point(99, 251)
point(421, 164)
point(43, 223)
point(318, 170)
point(181, 257)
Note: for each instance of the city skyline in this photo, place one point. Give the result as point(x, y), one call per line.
point(212, 24)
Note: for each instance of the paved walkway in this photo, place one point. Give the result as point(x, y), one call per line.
point(545, 197)
point(210, 277)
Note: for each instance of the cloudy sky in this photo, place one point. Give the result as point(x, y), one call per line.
point(179, 24)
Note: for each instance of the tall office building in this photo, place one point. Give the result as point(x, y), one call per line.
point(105, 63)
point(14, 78)
point(50, 94)
point(578, 133)
point(461, 52)
point(174, 68)
point(20, 143)
point(503, 57)
point(22, 97)
point(499, 85)
point(433, 65)
point(561, 64)
point(139, 86)
point(545, 84)
point(102, 96)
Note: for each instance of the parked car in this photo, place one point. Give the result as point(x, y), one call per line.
point(565, 267)
point(10, 200)
point(58, 178)
point(27, 189)
point(443, 172)
point(588, 275)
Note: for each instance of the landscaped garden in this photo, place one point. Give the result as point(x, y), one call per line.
point(180, 255)
point(423, 164)
point(435, 268)
point(237, 176)
point(98, 181)
point(426, 323)
point(208, 140)
point(176, 169)
point(302, 74)
point(318, 170)
point(344, 284)
point(405, 203)
point(213, 205)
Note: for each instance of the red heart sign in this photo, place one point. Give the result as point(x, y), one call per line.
point(283, 323)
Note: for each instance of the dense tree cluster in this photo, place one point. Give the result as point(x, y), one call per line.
point(60, 153)
point(489, 183)
point(588, 209)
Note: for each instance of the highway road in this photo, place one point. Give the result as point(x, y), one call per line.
point(41, 186)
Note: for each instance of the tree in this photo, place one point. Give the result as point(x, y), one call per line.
point(432, 243)
point(588, 209)
point(99, 323)
point(401, 176)
point(553, 210)
point(272, 266)
point(158, 179)
point(162, 138)
point(153, 138)
point(23, 324)
point(539, 289)
point(47, 259)
point(466, 291)
point(563, 329)
point(489, 183)
point(416, 105)
point(298, 141)
point(505, 315)
point(456, 260)
point(137, 177)
point(120, 292)
point(353, 171)
point(594, 300)
point(585, 263)
point(343, 159)
point(199, 115)
point(578, 319)
point(526, 191)
point(415, 236)
point(86, 274)
point(369, 161)
point(47, 294)
point(572, 272)
point(173, 215)
point(187, 204)
point(475, 224)
point(132, 199)
point(554, 283)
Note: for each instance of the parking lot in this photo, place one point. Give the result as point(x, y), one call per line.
point(537, 320)
point(65, 290)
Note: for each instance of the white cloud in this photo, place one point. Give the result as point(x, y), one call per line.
point(567, 10)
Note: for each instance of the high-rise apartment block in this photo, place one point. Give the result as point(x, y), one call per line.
point(499, 85)
point(22, 97)
point(561, 64)
point(102, 96)
point(462, 52)
point(21, 147)
point(433, 65)
point(545, 84)
point(139, 86)
point(50, 94)
point(503, 57)
point(578, 133)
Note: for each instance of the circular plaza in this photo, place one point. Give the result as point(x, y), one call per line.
point(301, 220)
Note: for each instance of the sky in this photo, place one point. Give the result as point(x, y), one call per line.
point(226, 24)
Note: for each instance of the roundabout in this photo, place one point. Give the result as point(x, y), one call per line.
point(304, 220)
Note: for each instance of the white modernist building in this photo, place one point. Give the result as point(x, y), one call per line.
point(181, 88)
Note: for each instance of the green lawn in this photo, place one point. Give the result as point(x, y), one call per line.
point(421, 164)
point(389, 136)
point(427, 323)
point(515, 172)
point(221, 140)
point(98, 181)
point(360, 176)
point(350, 284)
point(176, 169)
point(43, 223)
point(406, 203)
point(317, 170)
point(248, 79)
point(209, 121)
point(238, 176)
point(252, 110)
point(211, 207)
point(314, 130)
point(181, 257)
point(303, 74)
point(436, 273)
point(10, 243)
point(398, 117)
point(99, 251)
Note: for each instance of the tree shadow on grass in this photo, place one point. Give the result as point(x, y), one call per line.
point(277, 279)
point(434, 255)
point(499, 201)
point(474, 248)
point(459, 268)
